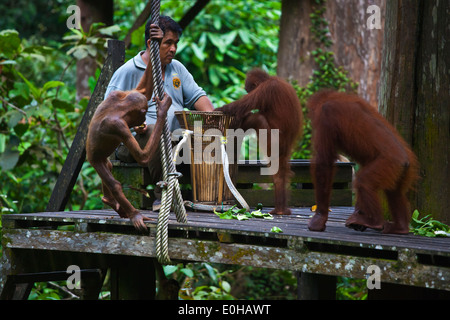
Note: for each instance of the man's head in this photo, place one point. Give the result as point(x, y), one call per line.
point(172, 33)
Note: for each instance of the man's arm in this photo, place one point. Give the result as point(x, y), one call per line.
point(203, 104)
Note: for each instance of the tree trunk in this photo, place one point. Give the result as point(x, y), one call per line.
point(414, 93)
point(91, 11)
point(357, 48)
point(296, 43)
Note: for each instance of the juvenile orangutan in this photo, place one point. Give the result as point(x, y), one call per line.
point(271, 103)
point(111, 125)
point(348, 124)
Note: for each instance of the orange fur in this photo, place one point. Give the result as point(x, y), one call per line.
point(278, 107)
point(345, 123)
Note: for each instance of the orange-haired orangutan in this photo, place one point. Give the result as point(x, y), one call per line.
point(348, 124)
point(111, 125)
point(271, 103)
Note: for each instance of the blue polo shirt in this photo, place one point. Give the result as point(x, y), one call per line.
point(178, 83)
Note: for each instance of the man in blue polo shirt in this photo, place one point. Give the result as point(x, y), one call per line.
point(178, 83)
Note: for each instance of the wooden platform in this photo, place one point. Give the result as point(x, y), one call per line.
point(409, 260)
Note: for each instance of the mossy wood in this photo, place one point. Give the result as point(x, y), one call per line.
point(51, 241)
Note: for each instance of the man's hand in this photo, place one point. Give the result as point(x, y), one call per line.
point(163, 105)
point(156, 33)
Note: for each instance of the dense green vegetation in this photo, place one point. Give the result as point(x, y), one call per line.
point(39, 114)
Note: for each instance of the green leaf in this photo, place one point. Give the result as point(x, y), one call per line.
point(212, 272)
point(259, 214)
point(109, 31)
point(79, 52)
point(4, 62)
point(9, 43)
point(13, 117)
point(78, 33)
point(276, 230)
point(10, 156)
point(225, 286)
point(20, 89)
point(213, 77)
point(245, 36)
point(217, 41)
point(198, 51)
point(52, 84)
point(2, 143)
point(74, 37)
point(229, 37)
point(187, 272)
point(34, 91)
point(217, 23)
point(62, 105)
point(427, 226)
point(241, 217)
point(168, 270)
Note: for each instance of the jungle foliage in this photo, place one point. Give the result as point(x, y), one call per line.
point(39, 114)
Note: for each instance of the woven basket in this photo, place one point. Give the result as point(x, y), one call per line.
point(208, 120)
point(207, 179)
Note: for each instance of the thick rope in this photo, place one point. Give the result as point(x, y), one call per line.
point(226, 172)
point(169, 173)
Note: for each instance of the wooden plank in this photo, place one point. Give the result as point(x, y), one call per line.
point(295, 258)
point(77, 153)
point(405, 259)
point(297, 197)
point(301, 168)
point(294, 225)
point(248, 174)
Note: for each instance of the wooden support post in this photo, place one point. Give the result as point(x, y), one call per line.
point(133, 278)
point(391, 291)
point(313, 286)
point(77, 153)
point(192, 13)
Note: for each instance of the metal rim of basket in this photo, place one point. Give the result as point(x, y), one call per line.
point(216, 119)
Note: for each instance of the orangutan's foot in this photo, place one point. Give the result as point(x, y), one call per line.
point(359, 222)
point(318, 222)
point(395, 228)
point(281, 211)
point(115, 206)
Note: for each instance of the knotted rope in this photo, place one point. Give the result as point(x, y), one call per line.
point(171, 193)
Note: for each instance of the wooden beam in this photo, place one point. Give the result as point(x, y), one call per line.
point(140, 20)
point(192, 13)
point(77, 152)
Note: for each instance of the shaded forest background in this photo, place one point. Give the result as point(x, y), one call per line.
point(49, 73)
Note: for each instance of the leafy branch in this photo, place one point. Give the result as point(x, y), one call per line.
point(326, 74)
point(428, 227)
